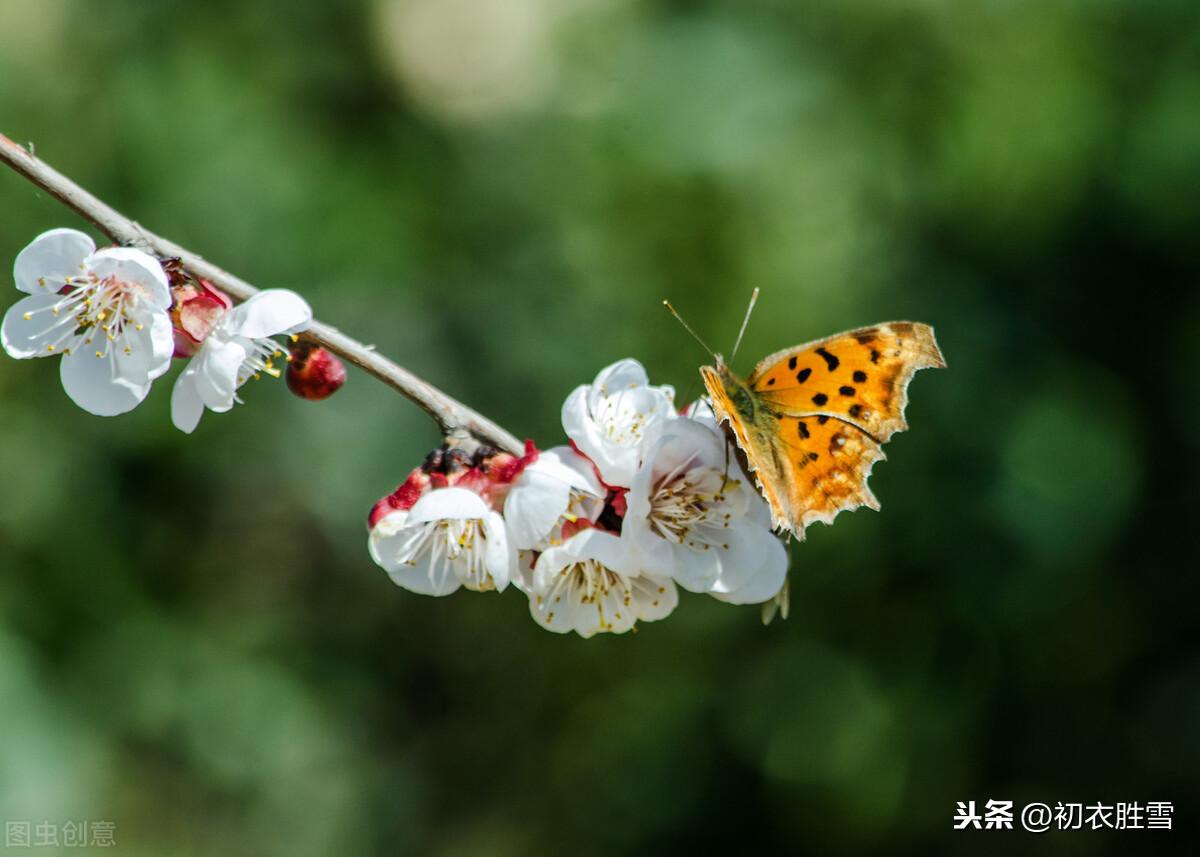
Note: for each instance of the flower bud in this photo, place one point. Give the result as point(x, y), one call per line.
point(196, 308)
point(314, 372)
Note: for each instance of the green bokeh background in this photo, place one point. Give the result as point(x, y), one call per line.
point(194, 643)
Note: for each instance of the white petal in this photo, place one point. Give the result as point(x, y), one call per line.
point(93, 383)
point(269, 313)
point(391, 545)
point(606, 548)
point(765, 580)
point(653, 598)
point(186, 405)
point(449, 504)
point(150, 348)
point(52, 256)
point(696, 570)
point(534, 505)
point(623, 375)
point(135, 267)
point(217, 365)
point(23, 339)
point(583, 472)
point(500, 557)
point(423, 576)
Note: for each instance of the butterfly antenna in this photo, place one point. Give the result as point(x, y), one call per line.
point(745, 321)
point(688, 328)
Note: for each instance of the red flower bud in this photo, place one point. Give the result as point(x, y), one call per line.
point(196, 308)
point(313, 372)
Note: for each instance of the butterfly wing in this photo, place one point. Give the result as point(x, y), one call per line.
point(860, 377)
point(819, 415)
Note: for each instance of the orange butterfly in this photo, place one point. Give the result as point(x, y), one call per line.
point(811, 420)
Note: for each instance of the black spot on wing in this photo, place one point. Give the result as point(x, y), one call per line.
point(803, 374)
point(792, 363)
point(830, 361)
point(874, 356)
point(820, 399)
point(803, 429)
point(860, 376)
point(847, 391)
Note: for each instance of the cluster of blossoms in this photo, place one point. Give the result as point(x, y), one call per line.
point(118, 316)
point(597, 533)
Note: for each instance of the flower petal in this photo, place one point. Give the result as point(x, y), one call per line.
point(500, 557)
point(765, 580)
point(623, 375)
point(449, 504)
point(535, 503)
point(217, 364)
point(52, 256)
point(186, 404)
point(653, 598)
point(93, 383)
point(395, 543)
point(24, 338)
point(269, 313)
point(136, 268)
point(150, 349)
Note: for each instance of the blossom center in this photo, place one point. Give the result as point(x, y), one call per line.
point(91, 308)
point(690, 508)
point(459, 543)
point(261, 355)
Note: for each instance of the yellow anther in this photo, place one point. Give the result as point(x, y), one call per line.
point(41, 281)
point(49, 347)
point(98, 354)
point(29, 316)
point(140, 326)
point(294, 338)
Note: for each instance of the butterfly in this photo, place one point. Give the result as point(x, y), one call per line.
point(811, 421)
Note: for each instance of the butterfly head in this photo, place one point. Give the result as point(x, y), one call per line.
point(727, 391)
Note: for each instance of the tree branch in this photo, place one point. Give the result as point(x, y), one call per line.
point(457, 422)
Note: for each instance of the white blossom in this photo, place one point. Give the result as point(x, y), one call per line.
point(449, 538)
point(613, 419)
point(586, 585)
point(694, 517)
point(559, 487)
point(239, 347)
point(104, 311)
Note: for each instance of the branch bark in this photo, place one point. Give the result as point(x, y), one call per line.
point(457, 422)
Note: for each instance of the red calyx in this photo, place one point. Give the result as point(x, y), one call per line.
point(313, 372)
point(403, 498)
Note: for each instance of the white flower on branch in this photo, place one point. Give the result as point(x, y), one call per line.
point(688, 518)
point(586, 585)
point(559, 487)
point(239, 347)
point(448, 538)
point(613, 418)
point(104, 311)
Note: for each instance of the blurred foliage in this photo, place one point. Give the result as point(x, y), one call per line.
point(498, 193)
